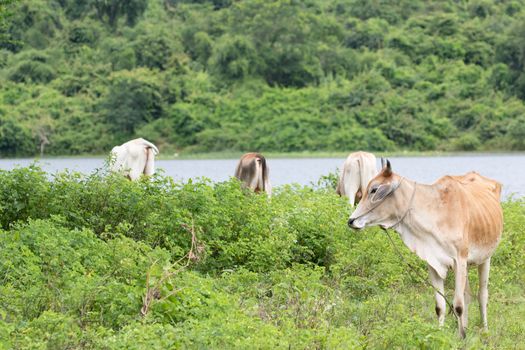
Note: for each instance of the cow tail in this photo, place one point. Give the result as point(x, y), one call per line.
point(362, 174)
point(497, 190)
point(238, 170)
point(149, 169)
point(150, 145)
point(263, 172)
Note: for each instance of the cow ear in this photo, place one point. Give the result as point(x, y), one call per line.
point(380, 194)
point(383, 191)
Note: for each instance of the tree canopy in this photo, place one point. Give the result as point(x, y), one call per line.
point(279, 75)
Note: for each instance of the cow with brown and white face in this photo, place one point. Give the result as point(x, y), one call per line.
point(357, 170)
point(455, 222)
point(252, 171)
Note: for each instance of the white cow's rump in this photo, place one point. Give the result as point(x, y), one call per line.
point(134, 158)
point(357, 170)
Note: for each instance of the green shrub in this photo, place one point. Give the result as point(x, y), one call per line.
point(236, 229)
point(23, 195)
point(79, 256)
point(15, 138)
point(466, 142)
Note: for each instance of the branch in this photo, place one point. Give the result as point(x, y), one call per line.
point(153, 293)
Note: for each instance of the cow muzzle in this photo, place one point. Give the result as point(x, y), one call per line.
point(355, 223)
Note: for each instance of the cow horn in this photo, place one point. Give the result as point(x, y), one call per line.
point(382, 162)
point(387, 171)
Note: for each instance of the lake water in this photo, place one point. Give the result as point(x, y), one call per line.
point(504, 168)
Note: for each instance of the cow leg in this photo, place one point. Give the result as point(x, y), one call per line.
point(351, 190)
point(135, 173)
point(149, 168)
point(268, 187)
point(483, 296)
point(467, 298)
point(441, 305)
point(254, 185)
point(459, 293)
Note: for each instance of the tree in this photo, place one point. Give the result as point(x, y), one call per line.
point(285, 36)
point(15, 139)
point(133, 99)
point(234, 58)
point(511, 51)
point(31, 71)
point(5, 7)
point(109, 11)
point(516, 131)
point(217, 4)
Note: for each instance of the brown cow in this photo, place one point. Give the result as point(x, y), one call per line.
point(455, 222)
point(253, 172)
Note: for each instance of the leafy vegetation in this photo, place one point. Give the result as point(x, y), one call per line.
point(78, 77)
point(81, 255)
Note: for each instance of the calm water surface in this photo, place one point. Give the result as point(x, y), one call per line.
point(507, 169)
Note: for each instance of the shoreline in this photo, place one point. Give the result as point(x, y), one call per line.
point(283, 155)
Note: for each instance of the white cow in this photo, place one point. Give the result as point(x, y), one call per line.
point(134, 158)
point(357, 170)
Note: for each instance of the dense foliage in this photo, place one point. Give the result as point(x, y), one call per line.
point(281, 75)
point(79, 254)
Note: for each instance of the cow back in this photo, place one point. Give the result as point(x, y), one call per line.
point(480, 209)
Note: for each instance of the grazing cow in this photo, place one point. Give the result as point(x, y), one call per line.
point(452, 223)
point(253, 172)
point(134, 158)
point(358, 169)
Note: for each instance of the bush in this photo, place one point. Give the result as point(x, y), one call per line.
point(278, 273)
point(467, 142)
point(516, 132)
point(15, 138)
point(236, 229)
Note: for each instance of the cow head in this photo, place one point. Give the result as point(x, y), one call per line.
point(378, 206)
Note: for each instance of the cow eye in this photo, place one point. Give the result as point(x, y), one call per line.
point(373, 190)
